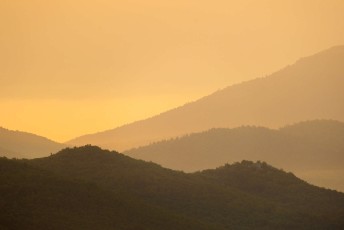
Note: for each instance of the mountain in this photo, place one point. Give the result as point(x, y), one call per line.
point(34, 198)
point(26, 145)
point(312, 88)
point(265, 181)
point(90, 188)
point(312, 149)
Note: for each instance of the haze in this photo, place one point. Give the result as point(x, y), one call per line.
point(73, 67)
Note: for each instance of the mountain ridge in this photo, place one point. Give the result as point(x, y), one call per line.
point(201, 196)
point(312, 149)
point(308, 89)
point(21, 144)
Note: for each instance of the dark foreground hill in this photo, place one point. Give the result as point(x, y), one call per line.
point(34, 198)
point(312, 88)
point(313, 150)
point(17, 144)
point(89, 188)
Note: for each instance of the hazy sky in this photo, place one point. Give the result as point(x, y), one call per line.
point(70, 67)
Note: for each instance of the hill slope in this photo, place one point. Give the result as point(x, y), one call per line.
point(26, 145)
point(33, 198)
point(312, 88)
point(211, 196)
point(313, 150)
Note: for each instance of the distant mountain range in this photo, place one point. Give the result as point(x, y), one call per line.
point(89, 188)
point(312, 88)
point(314, 150)
point(26, 145)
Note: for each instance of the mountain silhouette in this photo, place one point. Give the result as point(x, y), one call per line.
point(34, 198)
point(312, 149)
point(312, 88)
point(26, 145)
point(91, 188)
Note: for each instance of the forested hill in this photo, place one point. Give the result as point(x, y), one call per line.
point(311, 149)
point(36, 199)
point(91, 188)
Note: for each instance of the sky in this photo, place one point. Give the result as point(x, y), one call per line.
point(72, 67)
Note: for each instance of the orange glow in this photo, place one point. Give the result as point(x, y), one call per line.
point(73, 67)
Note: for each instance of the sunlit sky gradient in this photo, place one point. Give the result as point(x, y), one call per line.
point(71, 67)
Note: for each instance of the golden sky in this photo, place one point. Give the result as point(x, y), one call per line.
point(70, 67)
